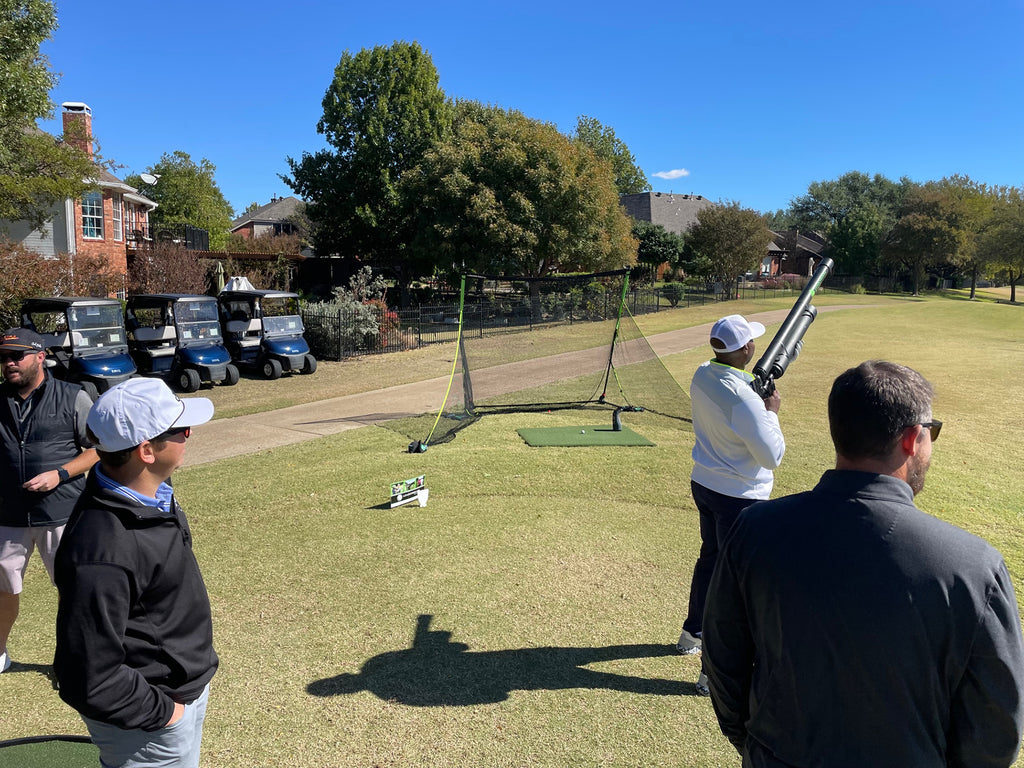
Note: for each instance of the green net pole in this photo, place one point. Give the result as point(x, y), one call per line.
point(455, 362)
point(615, 335)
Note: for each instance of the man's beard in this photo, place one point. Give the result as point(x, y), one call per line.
point(916, 470)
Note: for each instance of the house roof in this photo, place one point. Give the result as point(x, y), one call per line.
point(280, 209)
point(809, 241)
point(676, 213)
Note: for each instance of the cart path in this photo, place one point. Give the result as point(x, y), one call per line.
point(225, 438)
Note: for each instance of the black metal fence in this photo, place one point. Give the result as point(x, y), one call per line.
point(335, 333)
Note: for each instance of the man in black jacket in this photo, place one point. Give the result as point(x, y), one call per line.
point(846, 628)
point(44, 455)
point(134, 649)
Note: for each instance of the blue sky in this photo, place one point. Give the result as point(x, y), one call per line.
point(734, 100)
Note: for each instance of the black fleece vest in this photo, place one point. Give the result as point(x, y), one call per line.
point(45, 441)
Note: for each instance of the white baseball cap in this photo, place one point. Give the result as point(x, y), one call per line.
point(733, 332)
point(140, 409)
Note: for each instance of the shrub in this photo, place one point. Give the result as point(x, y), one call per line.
point(365, 322)
point(790, 280)
point(26, 274)
point(673, 293)
point(165, 267)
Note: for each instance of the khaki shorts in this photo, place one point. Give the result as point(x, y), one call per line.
point(16, 545)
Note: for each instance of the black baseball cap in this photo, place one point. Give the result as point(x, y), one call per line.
point(21, 340)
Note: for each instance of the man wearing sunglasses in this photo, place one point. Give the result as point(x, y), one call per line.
point(44, 455)
point(134, 651)
point(847, 627)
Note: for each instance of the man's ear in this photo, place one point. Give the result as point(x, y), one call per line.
point(146, 452)
point(910, 440)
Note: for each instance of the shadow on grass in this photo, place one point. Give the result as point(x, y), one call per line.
point(46, 670)
point(436, 672)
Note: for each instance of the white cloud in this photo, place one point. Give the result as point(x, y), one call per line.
point(678, 173)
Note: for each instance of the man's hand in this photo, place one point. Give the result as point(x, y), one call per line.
point(44, 481)
point(773, 401)
point(177, 714)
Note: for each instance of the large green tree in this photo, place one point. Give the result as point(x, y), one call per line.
point(382, 112)
point(37, 170)
point(1002, 240)
point(511, 195)
point(973, 202)
point(187, 193)
point(933, 230)
point(601, 139)
point(854, 212)
point(656, 245)
point(727, 241)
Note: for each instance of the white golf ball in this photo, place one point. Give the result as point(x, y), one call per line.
point(583, 431)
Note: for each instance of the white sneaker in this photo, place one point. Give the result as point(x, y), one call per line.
point(702, 685)
point(5, 662)
point(688, 645)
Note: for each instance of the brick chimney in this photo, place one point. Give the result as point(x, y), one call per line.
point(78, 125)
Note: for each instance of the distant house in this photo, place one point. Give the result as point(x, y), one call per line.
point(676, 213)
point(102, 222)
point(275, 218)
point(792, 252)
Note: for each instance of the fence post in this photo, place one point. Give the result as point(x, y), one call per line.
point(341, 337)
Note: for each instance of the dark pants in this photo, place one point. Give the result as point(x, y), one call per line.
point(717, 514)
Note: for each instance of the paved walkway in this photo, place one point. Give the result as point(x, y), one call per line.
point(224, 438)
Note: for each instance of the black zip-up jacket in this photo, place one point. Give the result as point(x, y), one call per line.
point(46, 440)
point(846, 628)
point(134, 630)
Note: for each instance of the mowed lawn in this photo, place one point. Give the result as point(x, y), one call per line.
point(525, 616)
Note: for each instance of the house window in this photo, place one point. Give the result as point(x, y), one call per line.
point(92, 215)
point(115, 204)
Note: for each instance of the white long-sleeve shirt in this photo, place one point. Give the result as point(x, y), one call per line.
point(738, 441)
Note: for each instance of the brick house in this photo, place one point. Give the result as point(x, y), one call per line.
point(275, 218)
point(102, 222)
point(793, 252)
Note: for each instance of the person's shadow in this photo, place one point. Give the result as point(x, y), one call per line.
point(437, 672)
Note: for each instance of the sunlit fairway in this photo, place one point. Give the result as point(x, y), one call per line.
point(524, 617)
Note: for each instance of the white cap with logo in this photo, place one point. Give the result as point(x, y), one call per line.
point(732, 332)
point(140, 409)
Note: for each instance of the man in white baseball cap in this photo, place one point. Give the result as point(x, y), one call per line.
point(738, 442)
point(134, 649)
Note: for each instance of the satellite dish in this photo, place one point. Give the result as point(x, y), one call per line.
point(148, 178)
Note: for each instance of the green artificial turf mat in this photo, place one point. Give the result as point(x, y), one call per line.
point(575, 436)
point(52, 752)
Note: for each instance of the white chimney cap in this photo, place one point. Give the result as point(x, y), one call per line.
point(76, 106)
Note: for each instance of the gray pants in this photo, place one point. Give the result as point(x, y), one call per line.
point(174, 746)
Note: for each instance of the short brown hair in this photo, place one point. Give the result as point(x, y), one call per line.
point(870, 406)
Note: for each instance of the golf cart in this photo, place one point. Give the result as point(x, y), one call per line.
point(177, 336)
point(85, 339)
point(263, 331)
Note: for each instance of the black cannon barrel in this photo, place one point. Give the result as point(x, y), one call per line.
point(788, 341)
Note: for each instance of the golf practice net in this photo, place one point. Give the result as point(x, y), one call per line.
point(545, 344)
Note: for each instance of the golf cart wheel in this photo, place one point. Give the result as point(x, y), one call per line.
point(309, 364)
point(91, 390)
point(272, 369)
point(230, 376)
point(188, 380)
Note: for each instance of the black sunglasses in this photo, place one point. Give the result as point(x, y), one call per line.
point(14, 357)
point(173, 431)
point(934, 426)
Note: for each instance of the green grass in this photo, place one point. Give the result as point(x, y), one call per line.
point(561, 574)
